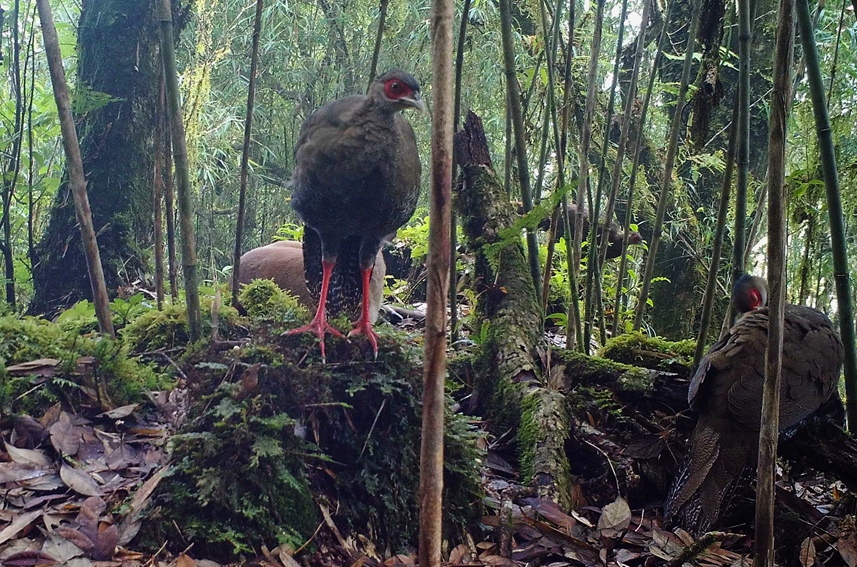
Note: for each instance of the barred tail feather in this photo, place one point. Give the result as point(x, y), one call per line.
point(346, 283)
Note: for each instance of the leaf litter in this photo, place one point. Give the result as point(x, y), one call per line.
point(76, 488)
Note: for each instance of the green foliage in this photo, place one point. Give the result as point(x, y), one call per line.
point(290, 231)
point(86, 99)
point(415, 236)
point(652, 352)
point(111, 377)
point(348, 431)
point(168, 328)
point(264, 300)
point(259, 494)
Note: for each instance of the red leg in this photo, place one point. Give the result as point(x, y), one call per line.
point(319, 324)
point(363, 325)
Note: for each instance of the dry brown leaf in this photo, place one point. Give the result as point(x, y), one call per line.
point(665, 545)
point(27, 456)
point(497, 560)
point(580, 518)
point(40, 367)
point(121, 412)
point(615, 516)
point(77, 537)
point(31, 558)
point(286, 558)
point(185, 561)
point(130, 524)
point(61, 549)
point(46, 482)
point(249, 381)
point(460, 554)
point(105, 544)
point(685, 537)
point(846, 549)
point(18, 525)
point(65, 435)
point(807, 553)
point(30, 432)
point(79, 481)
point(16, 472)
point(551, 511)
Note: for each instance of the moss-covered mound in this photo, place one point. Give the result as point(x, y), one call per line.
point(273, 436)
point(76, 369)
point(650, 352)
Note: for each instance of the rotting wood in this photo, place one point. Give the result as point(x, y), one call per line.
point(509, 387)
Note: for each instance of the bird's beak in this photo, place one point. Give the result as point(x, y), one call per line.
point(416, 102)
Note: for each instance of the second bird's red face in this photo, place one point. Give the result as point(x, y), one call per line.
point(394, 89)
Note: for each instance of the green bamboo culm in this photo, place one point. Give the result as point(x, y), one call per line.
point(592, 299)
point(621, 298)
point(672, 149)
point(834, 209)
point(514, 103)
point(740, 130)
point(189, 258)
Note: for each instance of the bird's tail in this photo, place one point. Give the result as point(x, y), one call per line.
point(346, 282)
point(714, 470)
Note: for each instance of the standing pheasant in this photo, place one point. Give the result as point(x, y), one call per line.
point(727, 392)
point(356, 180)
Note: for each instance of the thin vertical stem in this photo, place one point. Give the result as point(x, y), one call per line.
point(672, 150)
point(769, 429)
point(245, 154)
point(434, 351)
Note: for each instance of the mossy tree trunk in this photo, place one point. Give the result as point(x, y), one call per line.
point(115, 100)
point(509, 386)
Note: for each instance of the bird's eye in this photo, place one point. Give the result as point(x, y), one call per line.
point(395, 89)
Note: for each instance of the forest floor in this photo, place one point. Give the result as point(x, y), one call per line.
point(89, 514)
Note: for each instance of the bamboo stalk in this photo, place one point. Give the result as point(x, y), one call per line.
point(769, 429)
point(431, 449)
point(638, 146)
point(672, 149)
point(834, 210)
point(76, 178)
point(245, 154)
point(189, 259)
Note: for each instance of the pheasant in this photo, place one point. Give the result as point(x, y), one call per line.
point(356, 180)
point(727, 392)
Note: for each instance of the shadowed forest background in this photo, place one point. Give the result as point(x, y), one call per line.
point(600, 119)
point(311, 53)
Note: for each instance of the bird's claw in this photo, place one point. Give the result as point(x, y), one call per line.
point(319, 328)
point(365, 328)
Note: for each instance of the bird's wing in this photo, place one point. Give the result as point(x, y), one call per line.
point(812, 358)
point(331, 132)
point(812, 354)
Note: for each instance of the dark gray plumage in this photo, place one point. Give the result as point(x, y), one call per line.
point(356, 180)
point(727, 392)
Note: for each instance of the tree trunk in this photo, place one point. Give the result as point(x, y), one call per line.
point(118, 69)
point(510, 317)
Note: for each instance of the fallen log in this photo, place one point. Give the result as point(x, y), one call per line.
point(508, 389)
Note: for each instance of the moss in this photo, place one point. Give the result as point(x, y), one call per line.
point(346, 433)
point(650, 352)
point(112, 373)
point(168, 328)
point(265, 301)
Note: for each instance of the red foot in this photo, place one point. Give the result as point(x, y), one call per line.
point(318, 326)
point(364, 327)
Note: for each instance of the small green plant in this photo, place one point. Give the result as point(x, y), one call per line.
point(290, 231)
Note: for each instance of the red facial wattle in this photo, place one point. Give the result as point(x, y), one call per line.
point(755, 298)
point(395, 89)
